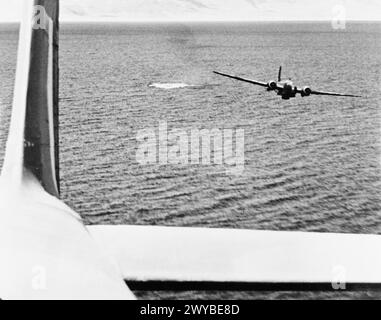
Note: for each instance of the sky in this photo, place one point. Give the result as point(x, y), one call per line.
point(205, 10)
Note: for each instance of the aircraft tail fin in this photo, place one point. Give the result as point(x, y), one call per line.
point(32, 145)
point(280, 74)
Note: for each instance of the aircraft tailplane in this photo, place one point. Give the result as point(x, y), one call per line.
point(33, 137)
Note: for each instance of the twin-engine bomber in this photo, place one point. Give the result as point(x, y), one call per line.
point(286, 89)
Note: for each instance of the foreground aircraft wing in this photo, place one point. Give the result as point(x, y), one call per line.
point(241, 257)
point(258, 83)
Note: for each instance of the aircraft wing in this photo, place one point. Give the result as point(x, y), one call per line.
point(322, 93)
point(258, 83)
point(293, 259)
point(325, 93)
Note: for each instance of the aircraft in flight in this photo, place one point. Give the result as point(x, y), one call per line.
point(286, 88)
point(47, 252)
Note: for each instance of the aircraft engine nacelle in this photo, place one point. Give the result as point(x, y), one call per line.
point(306, 92)
point(271, 85)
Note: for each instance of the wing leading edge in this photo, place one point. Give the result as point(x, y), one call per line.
point(241, 256)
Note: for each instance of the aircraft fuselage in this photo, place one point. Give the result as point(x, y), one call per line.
point(287, 90)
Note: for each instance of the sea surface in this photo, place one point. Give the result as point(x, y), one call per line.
point(311, 164)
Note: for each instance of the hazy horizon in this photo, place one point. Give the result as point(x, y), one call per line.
point(200, 21)
point(205, 10)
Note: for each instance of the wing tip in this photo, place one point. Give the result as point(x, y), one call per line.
point(352, 96)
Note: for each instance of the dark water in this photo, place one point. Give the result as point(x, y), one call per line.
point(311, 164)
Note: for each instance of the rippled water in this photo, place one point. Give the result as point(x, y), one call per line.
point(311, 164)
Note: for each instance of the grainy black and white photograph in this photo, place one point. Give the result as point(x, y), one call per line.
point(190, 150)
